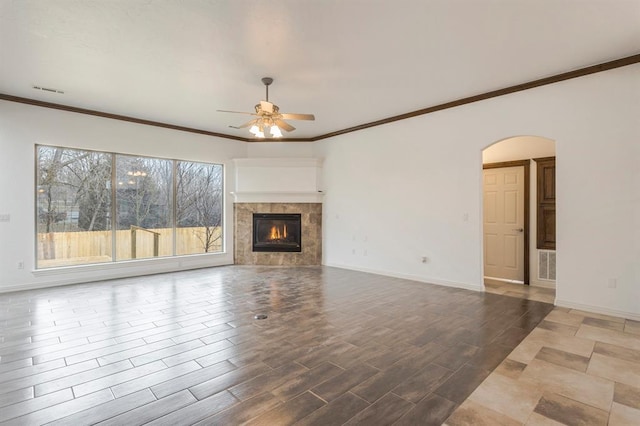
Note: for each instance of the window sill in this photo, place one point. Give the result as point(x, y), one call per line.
point(171, 262)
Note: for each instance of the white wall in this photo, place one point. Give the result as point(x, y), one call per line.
point(523, 148)
point(23, 126)
point(400, 191)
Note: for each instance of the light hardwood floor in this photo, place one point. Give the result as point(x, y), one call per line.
point(338, 347)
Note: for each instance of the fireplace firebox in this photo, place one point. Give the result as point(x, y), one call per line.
point(277, 232)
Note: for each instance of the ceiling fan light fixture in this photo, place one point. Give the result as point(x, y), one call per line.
point(275, 131)
point(269, 117)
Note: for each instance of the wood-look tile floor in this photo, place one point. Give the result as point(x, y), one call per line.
point(338, 347)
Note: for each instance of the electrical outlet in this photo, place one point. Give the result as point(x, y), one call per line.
point(424, 259)
point(613, 283)
point(5, 217)
point(21, 265)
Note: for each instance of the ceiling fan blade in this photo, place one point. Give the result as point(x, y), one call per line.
point(285, 126)
point(266, 106)
point(247, 124)
point(237, 112)
point(288, 116)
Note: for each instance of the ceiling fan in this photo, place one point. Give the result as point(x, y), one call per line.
point(268, 116)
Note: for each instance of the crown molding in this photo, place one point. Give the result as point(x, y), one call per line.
point(605, 66)
point(119, 117)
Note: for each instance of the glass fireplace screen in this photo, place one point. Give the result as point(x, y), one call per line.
point(277, 232)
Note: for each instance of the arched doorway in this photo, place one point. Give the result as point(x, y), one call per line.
point(514, 262)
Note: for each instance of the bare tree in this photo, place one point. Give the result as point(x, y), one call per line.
point(199, 201)
point(70, 181)
point(93, 191)
point(143, 192)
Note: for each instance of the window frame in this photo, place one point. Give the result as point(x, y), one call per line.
point(114, 207)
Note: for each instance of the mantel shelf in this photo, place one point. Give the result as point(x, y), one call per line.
point(278, 196)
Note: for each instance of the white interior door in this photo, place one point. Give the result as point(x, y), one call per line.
point(503, 190)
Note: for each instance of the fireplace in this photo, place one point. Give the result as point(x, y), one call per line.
point(310, 232)
point(277, 232)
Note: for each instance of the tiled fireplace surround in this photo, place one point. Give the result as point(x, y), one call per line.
point(278, 185)
point(311, 221)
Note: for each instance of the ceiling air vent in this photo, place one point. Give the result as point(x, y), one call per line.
point(48, 89)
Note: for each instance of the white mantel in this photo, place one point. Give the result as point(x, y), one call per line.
point(278, 180)
point(277, 197)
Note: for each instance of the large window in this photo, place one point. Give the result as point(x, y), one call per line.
point(95, 207)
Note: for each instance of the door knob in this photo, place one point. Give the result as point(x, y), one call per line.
point(519, 229)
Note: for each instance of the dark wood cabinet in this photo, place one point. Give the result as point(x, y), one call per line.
point(546, 203)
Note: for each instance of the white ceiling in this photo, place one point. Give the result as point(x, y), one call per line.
point(347, 61)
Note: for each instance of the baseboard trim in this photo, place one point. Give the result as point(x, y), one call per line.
point(597, 309)
point(410, 277)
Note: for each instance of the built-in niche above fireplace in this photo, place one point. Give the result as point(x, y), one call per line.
point(277, 232)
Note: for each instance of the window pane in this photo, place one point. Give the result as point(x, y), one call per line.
point(198, 208)
point(73, 207)
point(144, 205)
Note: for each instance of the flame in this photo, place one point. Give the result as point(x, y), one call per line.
point(275, 233)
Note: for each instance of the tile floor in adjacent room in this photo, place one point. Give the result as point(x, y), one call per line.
point(541, 294)
point(575, 368)
point(338, 347)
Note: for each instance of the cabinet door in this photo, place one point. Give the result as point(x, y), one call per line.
point(546, 232)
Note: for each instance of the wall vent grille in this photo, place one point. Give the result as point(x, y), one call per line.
point(547, 265)
point(48, 89)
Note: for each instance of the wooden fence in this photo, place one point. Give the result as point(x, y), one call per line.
point(74, 248)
